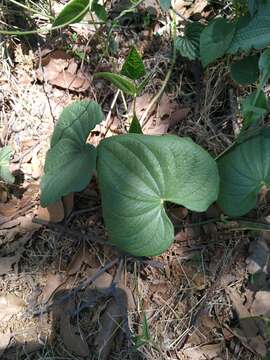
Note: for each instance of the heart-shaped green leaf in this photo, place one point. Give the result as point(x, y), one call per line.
point(215, 40)
point(5, 174)
point(69, 167)
point(137, 174)
point(120, 81)
point(70, 162)
point(243, 171)
point(189, 44)
point(77, 120)
point(133, 67)
point(73, 12)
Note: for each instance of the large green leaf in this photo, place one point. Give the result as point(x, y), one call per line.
point(246, 70)
point(133, 67)
point(215, 40)
point(252, 32)
point(120, 81)
point(69, 167)
point(243, 171)
point(73, 12)
point(77, 120)
point(5, 155)
point(138, 174)
point(70, 162)
point(189, 44)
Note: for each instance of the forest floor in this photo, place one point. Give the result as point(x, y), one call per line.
point(64, 292)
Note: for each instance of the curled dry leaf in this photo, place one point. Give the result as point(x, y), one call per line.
point(53, 212)
point(53, 282)
point(73, 342)
point(110, 323)
point(60, 69)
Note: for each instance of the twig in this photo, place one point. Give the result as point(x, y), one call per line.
point(155, 99)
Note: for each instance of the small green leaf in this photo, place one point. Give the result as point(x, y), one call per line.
point(264, 66)
point(254, 108)
point(5, 155)
point(165, 4)
point(243, 171)
point(69, 168)
point(73, 12)
point(215, 40)
point(135, 126)
point(133, 67)
point(138, 174)
point(120, 81)
point(77, 120)
point(99, 10)
point(189, 44)
point(246, 70)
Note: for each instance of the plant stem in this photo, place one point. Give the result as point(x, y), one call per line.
point(144, 117)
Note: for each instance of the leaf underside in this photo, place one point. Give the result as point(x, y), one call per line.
point(73, 12)
point(137, 174)
point(243, 171)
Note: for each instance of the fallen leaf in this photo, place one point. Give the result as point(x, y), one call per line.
point(109, 325)
point(60, 69)
point(53, 282)
point(261, 304)
point(258, 256)
point(77, 260)
point(4, 341)
point(209, 352)
point(68, 202)
point(6, 264)
point(11, 304)
point(72, 341)
point(104, 281)
point(53, 212)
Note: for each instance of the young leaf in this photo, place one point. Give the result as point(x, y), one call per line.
point(137, 174)
point(73, 12)
point(70, 162)
point(69, 167)
point(243, 171)
point(264, 66)
point(254, 108)
point(135, 126)
point(245, 71)
point(5, 174)
point(215, 40)
point(77, 120)
point(120, 81)
point(165, 4)
point(189, 44)
point(133, 67)
point(252, 32)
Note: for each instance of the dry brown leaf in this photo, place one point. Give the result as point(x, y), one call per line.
point(11, 304)
point(209, 352)
point(261, 304)
point(4, 341)
point(258, 256)
point(104, 281)
point(60, 69)
point(109, 324)
point(72, 341)
point(6, 263)
point(53, 212)
point(53, 282)
point(68, 202)
point(77, 260)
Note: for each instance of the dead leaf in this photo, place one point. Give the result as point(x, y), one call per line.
point(11, 304)
point(53, 282)
point(6, 264)
point(60, 69)
point(109, 324)
point(104, 281)
point(261, 304)
point(53, 212)
point(78, 259)
point(73, 342)
point(258, 256)
point(209, 352)
point(4, 341)
point(68, 202)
